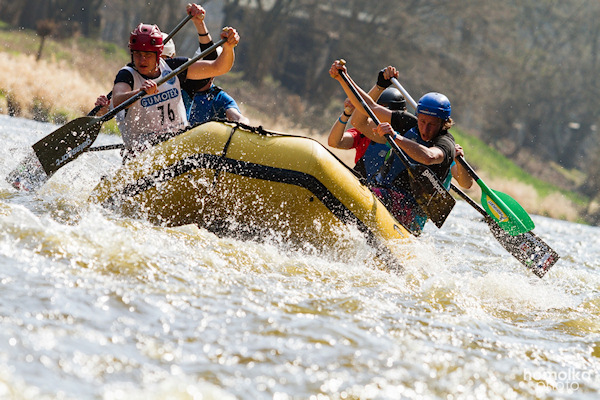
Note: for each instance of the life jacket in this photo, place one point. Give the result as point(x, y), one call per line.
point(382, 167)
point(380, 164)
point(372, 161)
point(153, 115)
point(203, 106)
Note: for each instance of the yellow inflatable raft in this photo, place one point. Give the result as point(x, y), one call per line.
point(246, 181)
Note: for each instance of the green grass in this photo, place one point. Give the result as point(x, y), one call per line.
point(483, 157)
point(110, 127)
point(13, 41)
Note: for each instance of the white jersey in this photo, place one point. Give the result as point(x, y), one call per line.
point(154, 114)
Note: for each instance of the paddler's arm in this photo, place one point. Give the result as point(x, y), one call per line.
point(365, 124)
point(200, 15)
point(382, 113)
point(204, 37)
point(419, 153)
point(458, 171)
point(338, 138)
point(360, 120)
point(203, 69)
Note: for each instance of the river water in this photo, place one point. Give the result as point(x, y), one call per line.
point(94, 305)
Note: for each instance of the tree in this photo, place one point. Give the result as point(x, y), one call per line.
point(44, 27)
point(522, 75)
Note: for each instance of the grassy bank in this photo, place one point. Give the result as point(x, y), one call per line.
point(535, 195)
point(65, 83)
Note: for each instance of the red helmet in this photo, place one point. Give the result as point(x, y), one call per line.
point(146, 38)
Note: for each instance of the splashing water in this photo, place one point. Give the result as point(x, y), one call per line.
point(96, 305)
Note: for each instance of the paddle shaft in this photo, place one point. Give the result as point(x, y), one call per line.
point(178, 28)
point(169, 37)
point(471, 202)
point(116, 146)
point(406, 95)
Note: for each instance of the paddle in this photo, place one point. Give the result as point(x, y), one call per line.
point(503, 208)
point(68, 142)
point(427, 189)
point(116, 146)
point(530, 250)
point(406, 95)
point(74, 138)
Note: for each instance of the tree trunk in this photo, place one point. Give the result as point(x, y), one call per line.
point(39, 53)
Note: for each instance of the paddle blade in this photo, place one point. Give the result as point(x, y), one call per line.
point(510, 215)
point(66, 143)
point(528, 248)
point(28, 175)
point(430, 194)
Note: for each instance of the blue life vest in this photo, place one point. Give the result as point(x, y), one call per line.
point(382, 165)
point(374, 158)
point(210, 104)
point(448, 179)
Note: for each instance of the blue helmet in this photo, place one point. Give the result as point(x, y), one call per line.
point(435, 104)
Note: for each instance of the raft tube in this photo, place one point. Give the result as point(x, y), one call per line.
point(246, 182)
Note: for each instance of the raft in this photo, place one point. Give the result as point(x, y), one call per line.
point(242, 181)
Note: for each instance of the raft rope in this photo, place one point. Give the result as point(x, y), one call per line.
point(223, 155)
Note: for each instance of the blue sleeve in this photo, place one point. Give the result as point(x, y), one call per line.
point(226, 102)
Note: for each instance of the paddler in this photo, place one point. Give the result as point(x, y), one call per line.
point(162, 110)
point(207, 101)
point(425, 139)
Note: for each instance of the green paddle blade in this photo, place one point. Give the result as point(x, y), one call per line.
point(501, 207)
point(67, 143)
point(507, 212)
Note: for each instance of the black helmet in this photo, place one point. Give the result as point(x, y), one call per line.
point(392, 99)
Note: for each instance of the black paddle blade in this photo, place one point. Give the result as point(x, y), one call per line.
point(66, 143)
point(430, 194)
point(528, 248)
